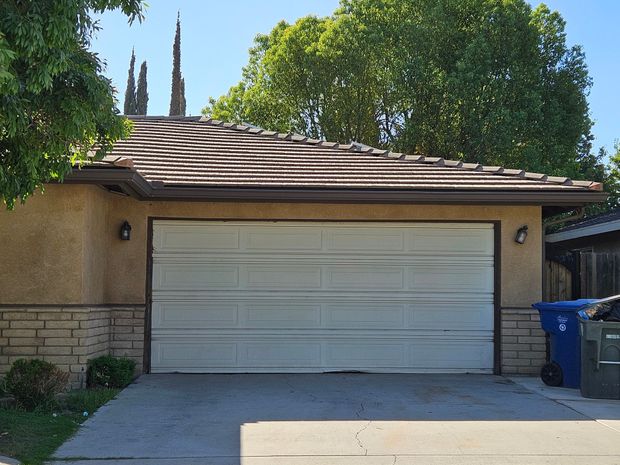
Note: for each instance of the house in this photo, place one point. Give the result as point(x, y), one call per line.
point(584, 257)
point(201, 246)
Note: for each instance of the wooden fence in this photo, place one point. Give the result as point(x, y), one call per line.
point(558, 282)
point(580, 275)
point(599, 274)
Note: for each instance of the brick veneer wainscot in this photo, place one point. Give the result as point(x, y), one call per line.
point(70, 336)
point(523, 348)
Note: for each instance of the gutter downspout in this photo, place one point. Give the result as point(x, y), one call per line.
point(579, 213)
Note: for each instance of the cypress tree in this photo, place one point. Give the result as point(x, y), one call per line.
point(175, 91)
point(142, 94)
point(130, 107)
point(182, 96)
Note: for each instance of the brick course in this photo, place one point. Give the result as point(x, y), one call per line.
point(70, 336)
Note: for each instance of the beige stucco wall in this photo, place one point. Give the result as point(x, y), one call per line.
point(41, 248)
point(63, 248)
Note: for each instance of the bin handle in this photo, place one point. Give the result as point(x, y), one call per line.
point(600, 362)
point(598, 355)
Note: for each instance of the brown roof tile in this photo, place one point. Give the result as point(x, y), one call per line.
point(195, 151)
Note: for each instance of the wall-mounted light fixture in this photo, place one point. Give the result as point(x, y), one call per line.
point(125, 231)
point(521, 235)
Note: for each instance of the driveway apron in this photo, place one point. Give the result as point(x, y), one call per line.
point(340, 419)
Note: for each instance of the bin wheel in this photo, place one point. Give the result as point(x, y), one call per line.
point(551, 374)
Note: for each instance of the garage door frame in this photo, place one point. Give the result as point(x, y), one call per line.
point(496, 270)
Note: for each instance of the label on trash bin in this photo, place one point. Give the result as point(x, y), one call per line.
point(612, 336)
point(562, 320)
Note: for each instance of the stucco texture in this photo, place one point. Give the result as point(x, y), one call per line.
point(63, 247)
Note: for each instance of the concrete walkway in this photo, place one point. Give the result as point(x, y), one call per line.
point(343, 419)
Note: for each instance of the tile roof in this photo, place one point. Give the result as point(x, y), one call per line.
point(201, 152)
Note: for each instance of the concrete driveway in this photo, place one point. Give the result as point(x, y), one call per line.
point(344, 419)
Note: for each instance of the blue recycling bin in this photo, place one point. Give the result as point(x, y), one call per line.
point(559, 320)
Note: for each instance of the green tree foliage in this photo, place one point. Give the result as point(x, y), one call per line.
point(612, 179)
point(142, 94)
point(183, 103)
point(131, 106)
point(177, 91)
point(488, 81)
point(55, 102)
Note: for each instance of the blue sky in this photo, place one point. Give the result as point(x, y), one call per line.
point(216, 36)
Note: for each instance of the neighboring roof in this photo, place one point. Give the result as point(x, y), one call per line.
point(600, 224)
point(196, 157)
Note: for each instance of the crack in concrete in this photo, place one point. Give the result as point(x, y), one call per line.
point(357, 438)
point(295, 390)
point(289, 384)
point(358, 413)
point(395, 458)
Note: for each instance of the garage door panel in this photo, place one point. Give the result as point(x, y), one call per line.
point(366, 240)
point(286, 239)
point(282, 276)
point(194, 276)
point(358, 314)
point(304, 297)
point(454, 316)
point(246, 354)
point(365, 277)
point(329, 238)
point(188, 237)
point(167, 355)
point(363, 315)
point(442, 241)
point(357, 355)
point(472, 279)
point(276, 353)
point(445, 354)
point(195, 314)
point(274, 315)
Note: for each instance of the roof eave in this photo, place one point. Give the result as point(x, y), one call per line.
point(134, 184)
point(584, 231)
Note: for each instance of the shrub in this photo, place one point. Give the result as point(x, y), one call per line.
point(35, 383)
point(110, 372)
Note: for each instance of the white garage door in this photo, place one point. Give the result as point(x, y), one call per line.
point(314, 297)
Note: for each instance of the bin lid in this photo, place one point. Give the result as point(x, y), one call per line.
point(565, 305)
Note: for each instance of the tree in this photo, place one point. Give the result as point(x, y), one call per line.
point(131, 107)
point(142, 94)
point(488, 81)
point(55, 102)
point(177, 91)
point(182, 97)
point(612, 179)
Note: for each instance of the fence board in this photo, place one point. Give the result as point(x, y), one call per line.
point(558, 284)
point(599, 274)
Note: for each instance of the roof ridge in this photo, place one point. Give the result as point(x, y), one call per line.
point(416, 158)
point(163, 117)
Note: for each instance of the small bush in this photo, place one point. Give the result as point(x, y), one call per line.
point(35, 383)
point(110, 372)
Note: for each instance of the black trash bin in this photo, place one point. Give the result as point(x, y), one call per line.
point(600, 359)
